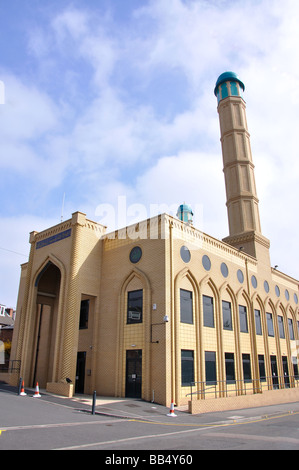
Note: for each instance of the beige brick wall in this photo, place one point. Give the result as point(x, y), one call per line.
point(97, 267)
point(268, 398)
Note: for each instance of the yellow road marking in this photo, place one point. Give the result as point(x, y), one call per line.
point(234, 423)
point(198, 427)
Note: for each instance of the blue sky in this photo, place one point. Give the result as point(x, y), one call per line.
point(114, 98)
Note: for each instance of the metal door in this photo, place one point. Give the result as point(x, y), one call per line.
point(80, 372)
point(274, 372)
point(286, 371)
point(133, 373)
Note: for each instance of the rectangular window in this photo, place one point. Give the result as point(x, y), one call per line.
point(210, 361)
point(84, 312)
point(187, 367)
point(291, 329)
point(262, 368)
point(270, 324)
point(135, 303)
point(208, 311)
point(280, 326)
point(227, 315)
point(258, 323)
point(246, 367)
point(230, 367)
point(186, 306)
point(243, 319)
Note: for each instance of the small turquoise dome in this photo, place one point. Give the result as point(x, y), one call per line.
point(185, 213)
point(228, 76)
point(228, 84)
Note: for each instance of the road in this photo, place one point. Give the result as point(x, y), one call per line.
point(46, 423)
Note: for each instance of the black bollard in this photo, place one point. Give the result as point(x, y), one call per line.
point(20, 386)
point(94, 402)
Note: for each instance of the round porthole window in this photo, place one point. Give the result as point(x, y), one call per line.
point(224, 270)
point(296, 299)
point(240, 276)
point(266, 287)
point(185, 254)
point(287, 295)
point(277, 291)
point(206, 262)
point(254, 282)
point(135, 254)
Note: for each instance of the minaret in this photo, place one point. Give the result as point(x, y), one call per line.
point(242, 202)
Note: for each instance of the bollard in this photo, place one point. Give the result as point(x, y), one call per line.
point(94, 402)
point(20, 386)
point(23, 393)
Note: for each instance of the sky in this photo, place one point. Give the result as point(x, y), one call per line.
point(108, 108)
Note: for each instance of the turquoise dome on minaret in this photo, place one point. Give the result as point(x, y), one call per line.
point(228, 84)
point(185, 213)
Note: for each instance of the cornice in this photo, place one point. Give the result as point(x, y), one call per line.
point(248, 237)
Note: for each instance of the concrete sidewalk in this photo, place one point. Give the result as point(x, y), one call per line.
point(130, 408)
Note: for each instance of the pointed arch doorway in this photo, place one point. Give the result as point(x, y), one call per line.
point(47, 301)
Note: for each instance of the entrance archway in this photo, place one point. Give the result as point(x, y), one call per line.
point(48, 290)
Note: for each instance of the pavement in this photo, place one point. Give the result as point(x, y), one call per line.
point(136, 409)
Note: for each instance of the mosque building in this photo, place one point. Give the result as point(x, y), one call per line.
point(159, 309)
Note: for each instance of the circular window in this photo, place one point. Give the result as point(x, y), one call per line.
point(286, 293)
point(240, 276)
point(277, 291)
point(135, 254)
point(224, 270)
point(254, 282)
point(185, 254)
point(206, 262)
point(266, 287)
point(296, 298)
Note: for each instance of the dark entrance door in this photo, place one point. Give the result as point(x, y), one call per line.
point(274, 372)
point(286, 371)
point(133, 373)
point(80, 372)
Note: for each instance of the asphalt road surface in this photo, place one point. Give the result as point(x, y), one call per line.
point(48, 422)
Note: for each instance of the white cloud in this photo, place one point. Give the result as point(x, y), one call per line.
point(192, 177)
point(259, 41)
point(38, 43)
point(14, 251)
point(72, 22)
point(129, 109)
point(32, 144)
point(27, 113)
